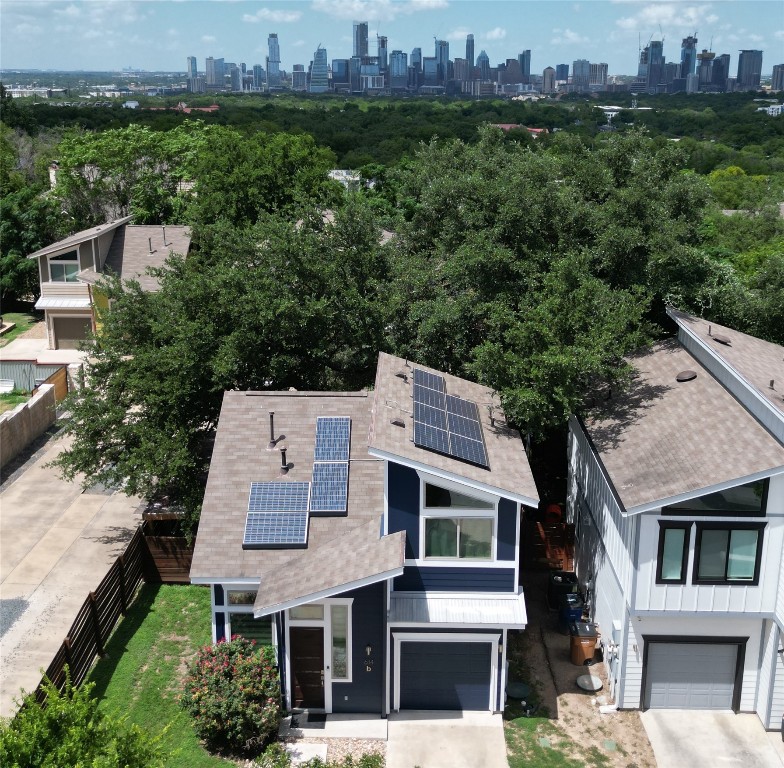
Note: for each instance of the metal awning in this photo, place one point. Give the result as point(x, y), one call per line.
point(63, 302)
point(455, 610)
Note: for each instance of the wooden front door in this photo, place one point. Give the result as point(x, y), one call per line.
point(307, 666)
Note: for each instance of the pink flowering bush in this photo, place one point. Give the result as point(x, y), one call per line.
point(232, 691)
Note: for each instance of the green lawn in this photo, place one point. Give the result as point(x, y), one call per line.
point(142, 673)
point(9, 400)
point(23, 320)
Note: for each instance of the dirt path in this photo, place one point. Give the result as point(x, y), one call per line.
point(575, 724)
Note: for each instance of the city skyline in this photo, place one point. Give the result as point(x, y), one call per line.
point(161, 34)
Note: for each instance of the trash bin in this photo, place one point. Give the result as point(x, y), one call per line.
point(570, 610)
point(583, 641)
point(561, 583)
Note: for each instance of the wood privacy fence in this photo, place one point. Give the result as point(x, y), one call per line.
point(60, 381)
point(97, 617)
point(169, 554)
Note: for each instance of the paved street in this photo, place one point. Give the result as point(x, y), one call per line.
point(56, 545)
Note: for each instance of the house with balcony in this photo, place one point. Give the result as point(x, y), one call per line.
point(676, 489)
point(372, 538)
point(69, 272)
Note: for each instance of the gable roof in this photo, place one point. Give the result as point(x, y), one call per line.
point(79, 237)
point(509, 473)
point(665, 441)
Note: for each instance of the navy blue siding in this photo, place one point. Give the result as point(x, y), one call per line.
point(280, 626)
point(447, 579)
point(220, 625)
point(507, 529)
point(218, 592)
point(365, 692)
point(403, 505)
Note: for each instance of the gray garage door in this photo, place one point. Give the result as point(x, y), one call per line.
point(445, 675)
point(69, 332)
point(690, 676)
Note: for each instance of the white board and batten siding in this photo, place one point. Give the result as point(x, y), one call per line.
point(768, 704)
point(713, 626)
point(688, 597)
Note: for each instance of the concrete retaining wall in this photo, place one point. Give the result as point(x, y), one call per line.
point(18, 428)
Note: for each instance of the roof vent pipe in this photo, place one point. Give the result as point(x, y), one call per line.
point(772, 383)
point(271, 444)
point(164, 235)
point(284, 466)
point(149, 240)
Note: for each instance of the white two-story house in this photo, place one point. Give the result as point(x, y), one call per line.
point(677, 493)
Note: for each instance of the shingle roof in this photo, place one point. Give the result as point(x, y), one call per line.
point(80, 237)
point(240, 456)
point(129, 255)
point(664, 438)
point(509, 473)
point(754, 360)
point(332, 567)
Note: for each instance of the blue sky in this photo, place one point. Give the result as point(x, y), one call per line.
point(160, 34)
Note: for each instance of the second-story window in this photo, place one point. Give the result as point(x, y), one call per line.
point(64, 268)
point(728, 554)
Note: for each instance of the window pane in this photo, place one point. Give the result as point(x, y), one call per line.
point(742, 499)
point(713, 555)
point(241, 598)
point(672, 553)
point(307, 612)
point(245, 625)
point(476, 537)
point(339, 641)
point(436, 496)
point(743, 555)
point(440, 537)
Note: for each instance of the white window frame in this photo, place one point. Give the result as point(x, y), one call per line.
point(55, 258)
point(227, 609)
point(326, 624)
point(456, 513)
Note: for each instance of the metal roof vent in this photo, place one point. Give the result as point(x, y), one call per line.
point(397, 422)
point(402, 375)
point(722, 339)
point(686, 376)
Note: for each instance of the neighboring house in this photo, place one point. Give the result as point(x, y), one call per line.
point(677, 494)
point(385, 572)
point(69, 269)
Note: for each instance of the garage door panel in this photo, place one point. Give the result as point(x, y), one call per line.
point(690, 676)
point(448, 675)
point(70, 332)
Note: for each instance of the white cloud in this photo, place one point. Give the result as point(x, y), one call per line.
point(208, 38)
point(678, 17)
point(779, 34)
point(279, 17)
point(458, 34)
point(298, 44)
point(498, 33)
point(566, 36)
point(756, 38)
point(375, 10)
point(69, 10)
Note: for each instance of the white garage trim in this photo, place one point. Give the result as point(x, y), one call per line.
point(446, 637)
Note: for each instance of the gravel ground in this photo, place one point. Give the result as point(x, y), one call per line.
point(10, 611)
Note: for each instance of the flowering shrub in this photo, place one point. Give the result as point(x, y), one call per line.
point(232, 691)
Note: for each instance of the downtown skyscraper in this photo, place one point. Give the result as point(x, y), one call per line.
point(273, 60)
point(360, 39)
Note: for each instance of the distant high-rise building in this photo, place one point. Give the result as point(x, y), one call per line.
point(442, 60)
point(721, 71)
point(360, 38)
point(398, 70)
point(483, 62)
point(688, 56)
point(470, 50)
point(319, 72)
point(258, 76)
point(460, 69)
point(598, 74)
point(273, 60)
point(524, 59)
point(416, 59)
point(235, 75)
point(196, 85)
point(655, 73)
point(383, 54)
point(192, 70)
point(299, 78)
point(705, 69)
point(749, 70)
point(513, 74)
point(777, 80)
point(430, 71)
point(341, 74)
point(581, 74)
point(562, 72)
point(215, 72)
point(548, 80)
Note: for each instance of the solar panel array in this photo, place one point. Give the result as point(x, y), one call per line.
point(277, 515)
point(445, 423)
point(329, 491)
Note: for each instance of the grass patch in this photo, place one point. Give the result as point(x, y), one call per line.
point(9, 400)
point(141, 675)
point(534, 742)
point(24, 321)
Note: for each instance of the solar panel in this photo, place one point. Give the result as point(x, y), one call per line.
point(433, 417)
point(429, 397)
point(275, 530)
point(467, 449)
point(466, 408)
point(431, 437)
point(333, 438)
point(329, 491)
point(429, 380)
point(279, 496)
point(458, 426)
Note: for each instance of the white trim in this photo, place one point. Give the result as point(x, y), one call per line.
point(465, 562)
point(385, 518)
point(445, 637)
point(461, 594)
point(502, 682)
point(518, 523)
point(460, 479)
point(652, 505)
point(239, 582)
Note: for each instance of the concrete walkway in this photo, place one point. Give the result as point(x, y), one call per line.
point(56, 545)
point(26, 347)
point(704, 739)
point(446, 740)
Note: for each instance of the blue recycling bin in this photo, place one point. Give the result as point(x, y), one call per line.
point(571, 610)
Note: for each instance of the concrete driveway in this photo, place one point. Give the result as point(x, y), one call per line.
point(56, 545)
point(703, 739)
point(446, 740)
